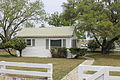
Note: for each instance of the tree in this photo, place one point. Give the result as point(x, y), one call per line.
point(57, 20)
point(14, 13)
point(100, 19)
point(17, 44)
point(66, 18)
point(70, 12)
point(28, 24)
point(93, 45)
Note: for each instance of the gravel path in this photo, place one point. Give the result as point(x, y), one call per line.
point(73, 75)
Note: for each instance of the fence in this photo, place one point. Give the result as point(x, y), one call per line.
point(101, 72)
point(48, 74)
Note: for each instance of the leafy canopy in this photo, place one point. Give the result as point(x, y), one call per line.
point(14, 13)
point(99, 18)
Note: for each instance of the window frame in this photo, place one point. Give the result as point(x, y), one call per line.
point(32, 42)
point(57, 45)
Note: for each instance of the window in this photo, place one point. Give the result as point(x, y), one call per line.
point(47, 43)
point(55, 43)
point(74, 43)
point(64, 43)
point(30, 42)
point(33, 42)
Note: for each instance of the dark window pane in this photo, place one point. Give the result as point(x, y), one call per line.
point(73, 43)
point(55, 43)
point(47, 43)
point(33, 42)
point(29, 42)
point(64, 42)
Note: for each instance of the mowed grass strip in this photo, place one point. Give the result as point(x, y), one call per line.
point(61, 66)
point(112, 59)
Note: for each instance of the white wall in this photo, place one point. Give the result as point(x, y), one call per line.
point(36, 52)
point(40, 42)
point(39, 50)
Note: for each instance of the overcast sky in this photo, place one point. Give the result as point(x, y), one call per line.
point(52, 6)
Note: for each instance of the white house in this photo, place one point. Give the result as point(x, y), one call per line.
point(41, 40)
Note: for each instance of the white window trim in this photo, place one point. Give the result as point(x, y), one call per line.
point(31, 42)
point(56, 39)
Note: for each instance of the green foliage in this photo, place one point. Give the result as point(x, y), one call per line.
point(28, 24)
point(112, 46)
point(1, 46)
point(57, 20)
point(99, 18)
point(93, 45)
point(70, 12)
point(14, 13)
point(66, 18)
point(59, 52)
point(17, 44)
point(78, 51)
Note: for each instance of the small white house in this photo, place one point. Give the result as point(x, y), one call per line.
point(41, 40)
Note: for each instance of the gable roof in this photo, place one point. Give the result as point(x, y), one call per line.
point(46, 32)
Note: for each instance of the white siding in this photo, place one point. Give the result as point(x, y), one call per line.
point(40, 42)
point(39, 50)
point(68, 43)
point(36, 52)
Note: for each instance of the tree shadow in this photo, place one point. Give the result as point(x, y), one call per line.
point(110, 56)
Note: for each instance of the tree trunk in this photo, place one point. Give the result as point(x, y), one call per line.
point(104, 50)
point(106, 47)
point(8, 51)
point(20, 53)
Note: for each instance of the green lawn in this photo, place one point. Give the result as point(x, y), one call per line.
point(61, 66)
point(107, 60)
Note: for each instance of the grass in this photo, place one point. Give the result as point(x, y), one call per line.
point(60, 66)
point(107, 60)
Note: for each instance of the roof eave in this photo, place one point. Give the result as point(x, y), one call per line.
point(70, 36)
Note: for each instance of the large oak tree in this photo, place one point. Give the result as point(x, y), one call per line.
point(101, 19)
point(15, 13)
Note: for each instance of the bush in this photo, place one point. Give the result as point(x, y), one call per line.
point(78, 51)
point(59, 52)
point(1, 46)
point(17, 44)
point(93, 45)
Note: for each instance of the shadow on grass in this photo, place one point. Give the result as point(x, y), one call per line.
point(5, 54)
point(98, 55)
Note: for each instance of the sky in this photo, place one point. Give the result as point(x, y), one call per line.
point(52, 6)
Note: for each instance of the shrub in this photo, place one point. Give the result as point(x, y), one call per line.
point(17, 44)
point(78, 51)
point(59, 52)
point(1, 46)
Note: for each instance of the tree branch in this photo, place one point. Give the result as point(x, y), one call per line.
point(96, 39)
